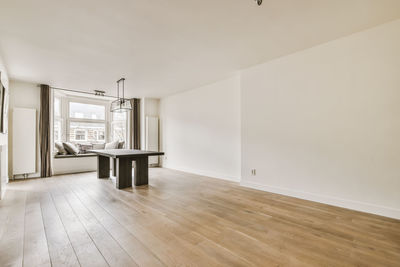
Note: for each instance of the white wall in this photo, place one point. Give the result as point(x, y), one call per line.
point(24, 95)
point(3, 138)
point(324, 124)
point(201, 130)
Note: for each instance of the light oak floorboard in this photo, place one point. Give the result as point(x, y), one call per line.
point(36, 252)
point(12, 240)
point(85, 249)
point(60, 248)
point(181, 219)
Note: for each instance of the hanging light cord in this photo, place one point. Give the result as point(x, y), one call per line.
point(123, 90)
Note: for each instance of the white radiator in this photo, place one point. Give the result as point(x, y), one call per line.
point(152, 138)
point(24, 141)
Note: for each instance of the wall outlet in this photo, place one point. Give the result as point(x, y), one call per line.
point(253, 172)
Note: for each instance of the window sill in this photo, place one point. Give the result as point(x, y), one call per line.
point(75, 156)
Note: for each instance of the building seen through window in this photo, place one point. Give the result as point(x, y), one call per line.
point(85, 122)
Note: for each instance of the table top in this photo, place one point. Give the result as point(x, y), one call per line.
point(125, 153)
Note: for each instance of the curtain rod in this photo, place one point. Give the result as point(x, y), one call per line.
point(77, 91)
point(81, 92)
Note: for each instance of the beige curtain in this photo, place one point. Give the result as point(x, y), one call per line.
point(135, 124)
point(44, 132)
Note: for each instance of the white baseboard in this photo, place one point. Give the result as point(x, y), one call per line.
point(204, 173)
point(344, 203)
point(21, 177)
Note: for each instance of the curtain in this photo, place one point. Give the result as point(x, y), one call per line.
point(135, 123)
point(44, 132)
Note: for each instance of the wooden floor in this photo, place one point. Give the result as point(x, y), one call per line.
point(183, 220)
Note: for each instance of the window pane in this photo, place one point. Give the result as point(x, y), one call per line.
point(118, 131)
point(118, 126)
point(86, 111)
point(81, 132)
point(57, 107)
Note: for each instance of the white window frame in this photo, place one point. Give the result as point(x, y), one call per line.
point(59, 118)
point(65, 119)
point(83, 100)
point(96, 133)
point(85, 133)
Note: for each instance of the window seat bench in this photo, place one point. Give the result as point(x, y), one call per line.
point(66, 164)
point(75, 156)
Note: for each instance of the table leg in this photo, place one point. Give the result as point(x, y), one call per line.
point(124, 173)
point(114, 168)
point(103, 167)
point(142, 171)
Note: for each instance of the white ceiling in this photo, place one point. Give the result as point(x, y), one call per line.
point(167, 46)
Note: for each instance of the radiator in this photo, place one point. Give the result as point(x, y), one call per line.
point(152, 138)
point(24, 141)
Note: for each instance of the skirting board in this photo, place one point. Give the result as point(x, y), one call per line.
point(204, 173)
point(30, 176)
point(343, 203)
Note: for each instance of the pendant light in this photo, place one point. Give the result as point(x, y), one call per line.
point(121, 104)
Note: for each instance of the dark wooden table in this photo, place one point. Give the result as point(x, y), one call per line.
point(122, 167)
